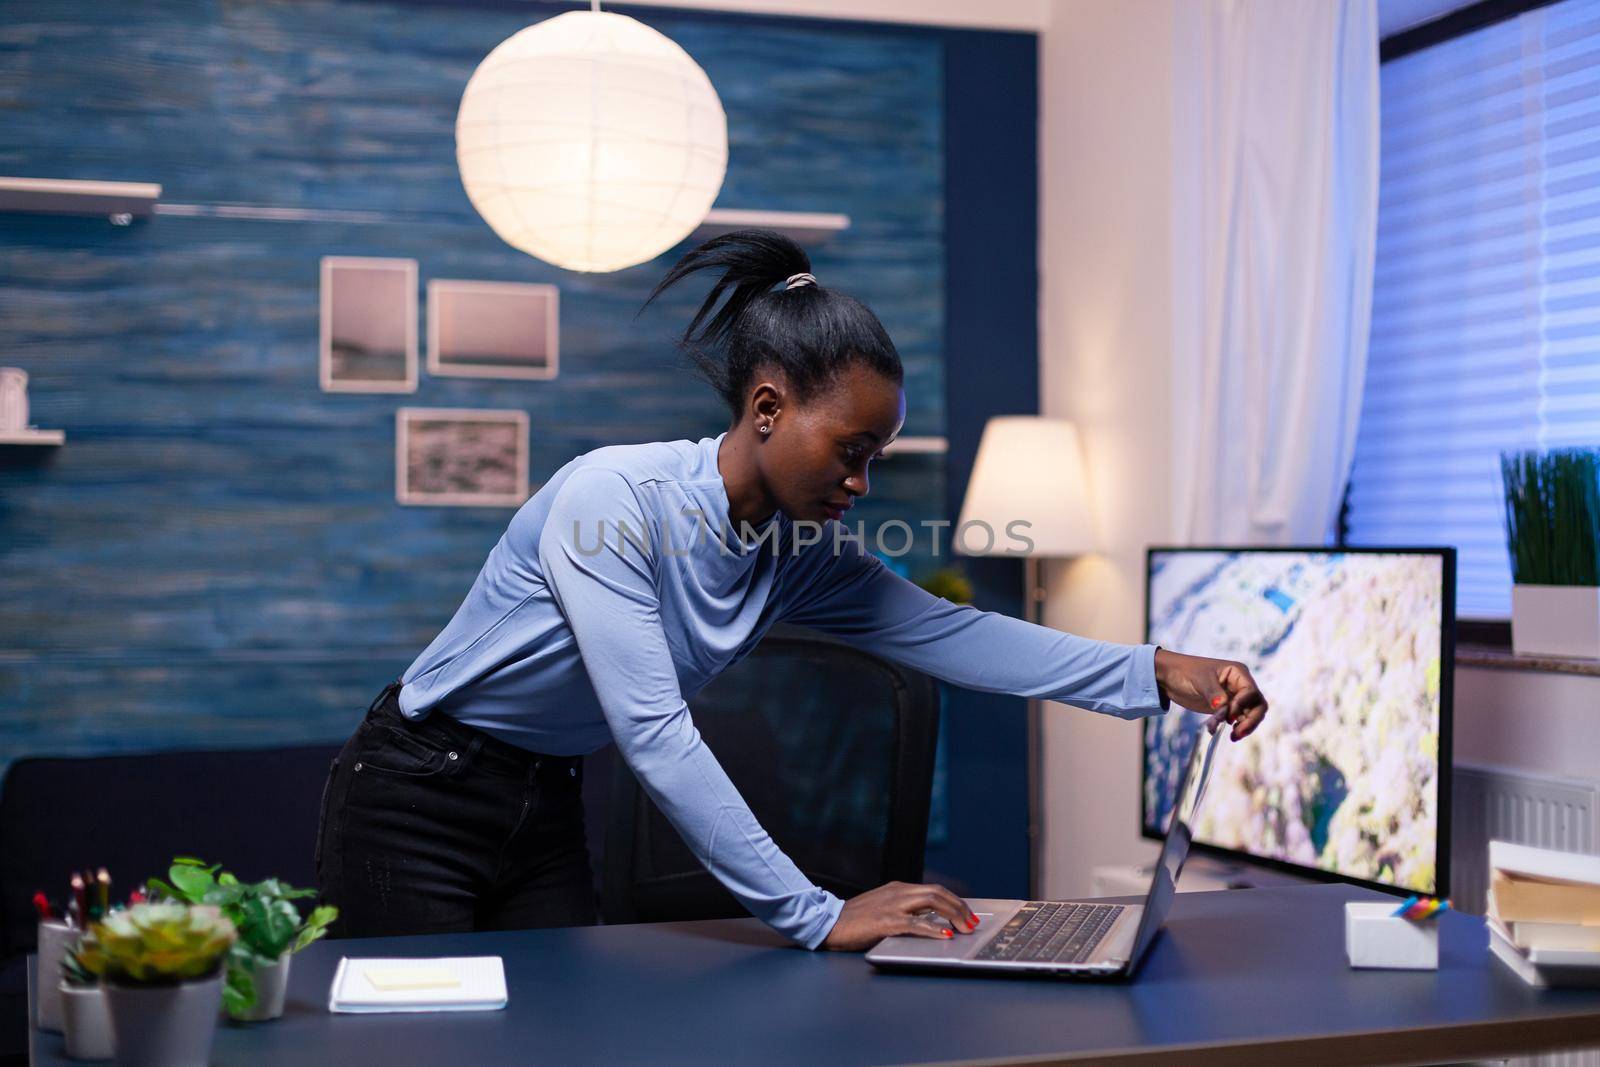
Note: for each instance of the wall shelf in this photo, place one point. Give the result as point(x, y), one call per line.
point(33, 437)
point(927, 446)
point(1503, 659)
point(806, 227)
point(121, 201)
point(129, 200)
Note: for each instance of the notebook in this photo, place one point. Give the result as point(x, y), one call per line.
point(449, 983)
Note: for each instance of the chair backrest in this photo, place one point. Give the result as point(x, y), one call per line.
point(830, 746)
point(254, 811)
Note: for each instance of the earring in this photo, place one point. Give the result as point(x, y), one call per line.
point(765, 427)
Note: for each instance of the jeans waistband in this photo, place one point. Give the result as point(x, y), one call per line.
point(490, 751)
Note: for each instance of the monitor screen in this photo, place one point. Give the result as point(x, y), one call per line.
point(1354, 651)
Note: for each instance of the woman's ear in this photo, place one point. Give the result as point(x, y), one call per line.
point(766, 402)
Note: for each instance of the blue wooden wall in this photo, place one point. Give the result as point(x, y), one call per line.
point(216, 558)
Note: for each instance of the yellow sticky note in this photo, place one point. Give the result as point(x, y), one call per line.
point(390, 978)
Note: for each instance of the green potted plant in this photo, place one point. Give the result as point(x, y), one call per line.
point(948, 582)
point(270, 930)
point(1553, 536)
point(161, 965)
point(85, 1022)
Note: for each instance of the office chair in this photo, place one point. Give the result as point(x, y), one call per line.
point(830, 746)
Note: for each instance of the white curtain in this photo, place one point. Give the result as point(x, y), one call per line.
point(1275, 216)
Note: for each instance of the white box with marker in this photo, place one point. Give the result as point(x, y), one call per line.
point(1376, 937)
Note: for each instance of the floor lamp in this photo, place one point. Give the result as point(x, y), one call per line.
point(1028, 482)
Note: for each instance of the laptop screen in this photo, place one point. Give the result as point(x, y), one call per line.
point(1175, 848)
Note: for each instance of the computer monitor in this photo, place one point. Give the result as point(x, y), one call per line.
point(1348, 778)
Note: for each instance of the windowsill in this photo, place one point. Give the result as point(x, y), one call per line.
point(1503, 659)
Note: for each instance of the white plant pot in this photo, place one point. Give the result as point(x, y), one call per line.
point(1555, 620)
point(165, 1026)
point(272, 981)
point(86, 1022)
point(54, 940)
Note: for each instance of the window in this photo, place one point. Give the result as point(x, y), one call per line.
point(1486, 293)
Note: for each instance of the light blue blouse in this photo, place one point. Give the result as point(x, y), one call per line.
point(620, 588)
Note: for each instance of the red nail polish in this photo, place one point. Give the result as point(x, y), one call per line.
point(947, 933)
point(1216, 702)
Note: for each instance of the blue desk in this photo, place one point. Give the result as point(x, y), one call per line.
point(1239, 977)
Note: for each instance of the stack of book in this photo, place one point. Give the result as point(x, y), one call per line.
point(1544, 914)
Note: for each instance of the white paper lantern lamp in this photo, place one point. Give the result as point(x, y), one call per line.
point(591, 141)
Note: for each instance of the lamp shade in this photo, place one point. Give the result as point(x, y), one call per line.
point(1028, 468)
point(591, 141)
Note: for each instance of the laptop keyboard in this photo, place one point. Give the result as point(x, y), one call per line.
point(1043, 932)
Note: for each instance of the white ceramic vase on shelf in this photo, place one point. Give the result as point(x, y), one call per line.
point(1555, 620)
point(13, 399)
point(165, 1026)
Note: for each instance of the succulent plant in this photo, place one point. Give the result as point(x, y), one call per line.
point(73, 972)
point(157, 943)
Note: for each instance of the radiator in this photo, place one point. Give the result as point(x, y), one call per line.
point(1507, 805)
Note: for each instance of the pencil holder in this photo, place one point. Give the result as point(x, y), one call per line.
point(1376, 937)
point(54, 940)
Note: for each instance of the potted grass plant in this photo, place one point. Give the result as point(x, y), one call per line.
point(1553, 535)
point(161, 965)
point(270, 929)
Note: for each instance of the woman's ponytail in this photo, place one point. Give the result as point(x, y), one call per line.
point(808, 332)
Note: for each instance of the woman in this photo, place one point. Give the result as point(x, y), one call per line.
point(634, 576)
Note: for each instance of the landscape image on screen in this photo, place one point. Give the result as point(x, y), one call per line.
point(1343, 775)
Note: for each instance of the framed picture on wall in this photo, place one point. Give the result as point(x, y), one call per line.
point(369, 325)
point(461, 457)
point(493, 329)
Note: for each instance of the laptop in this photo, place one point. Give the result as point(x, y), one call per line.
point(1065, 938)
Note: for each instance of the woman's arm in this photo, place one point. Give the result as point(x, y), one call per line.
point(606, 590)
point(852, 594)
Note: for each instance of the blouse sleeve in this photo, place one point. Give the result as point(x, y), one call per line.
point(605, 588)
point(852, 594)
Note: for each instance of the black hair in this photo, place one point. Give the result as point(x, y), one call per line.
point(809, 332)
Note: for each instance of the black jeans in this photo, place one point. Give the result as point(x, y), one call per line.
point(435, 827)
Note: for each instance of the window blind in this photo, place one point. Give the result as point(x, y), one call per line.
point(1486, 288)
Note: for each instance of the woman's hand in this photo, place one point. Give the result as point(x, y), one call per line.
point(899, 908)
point(1220, 688)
